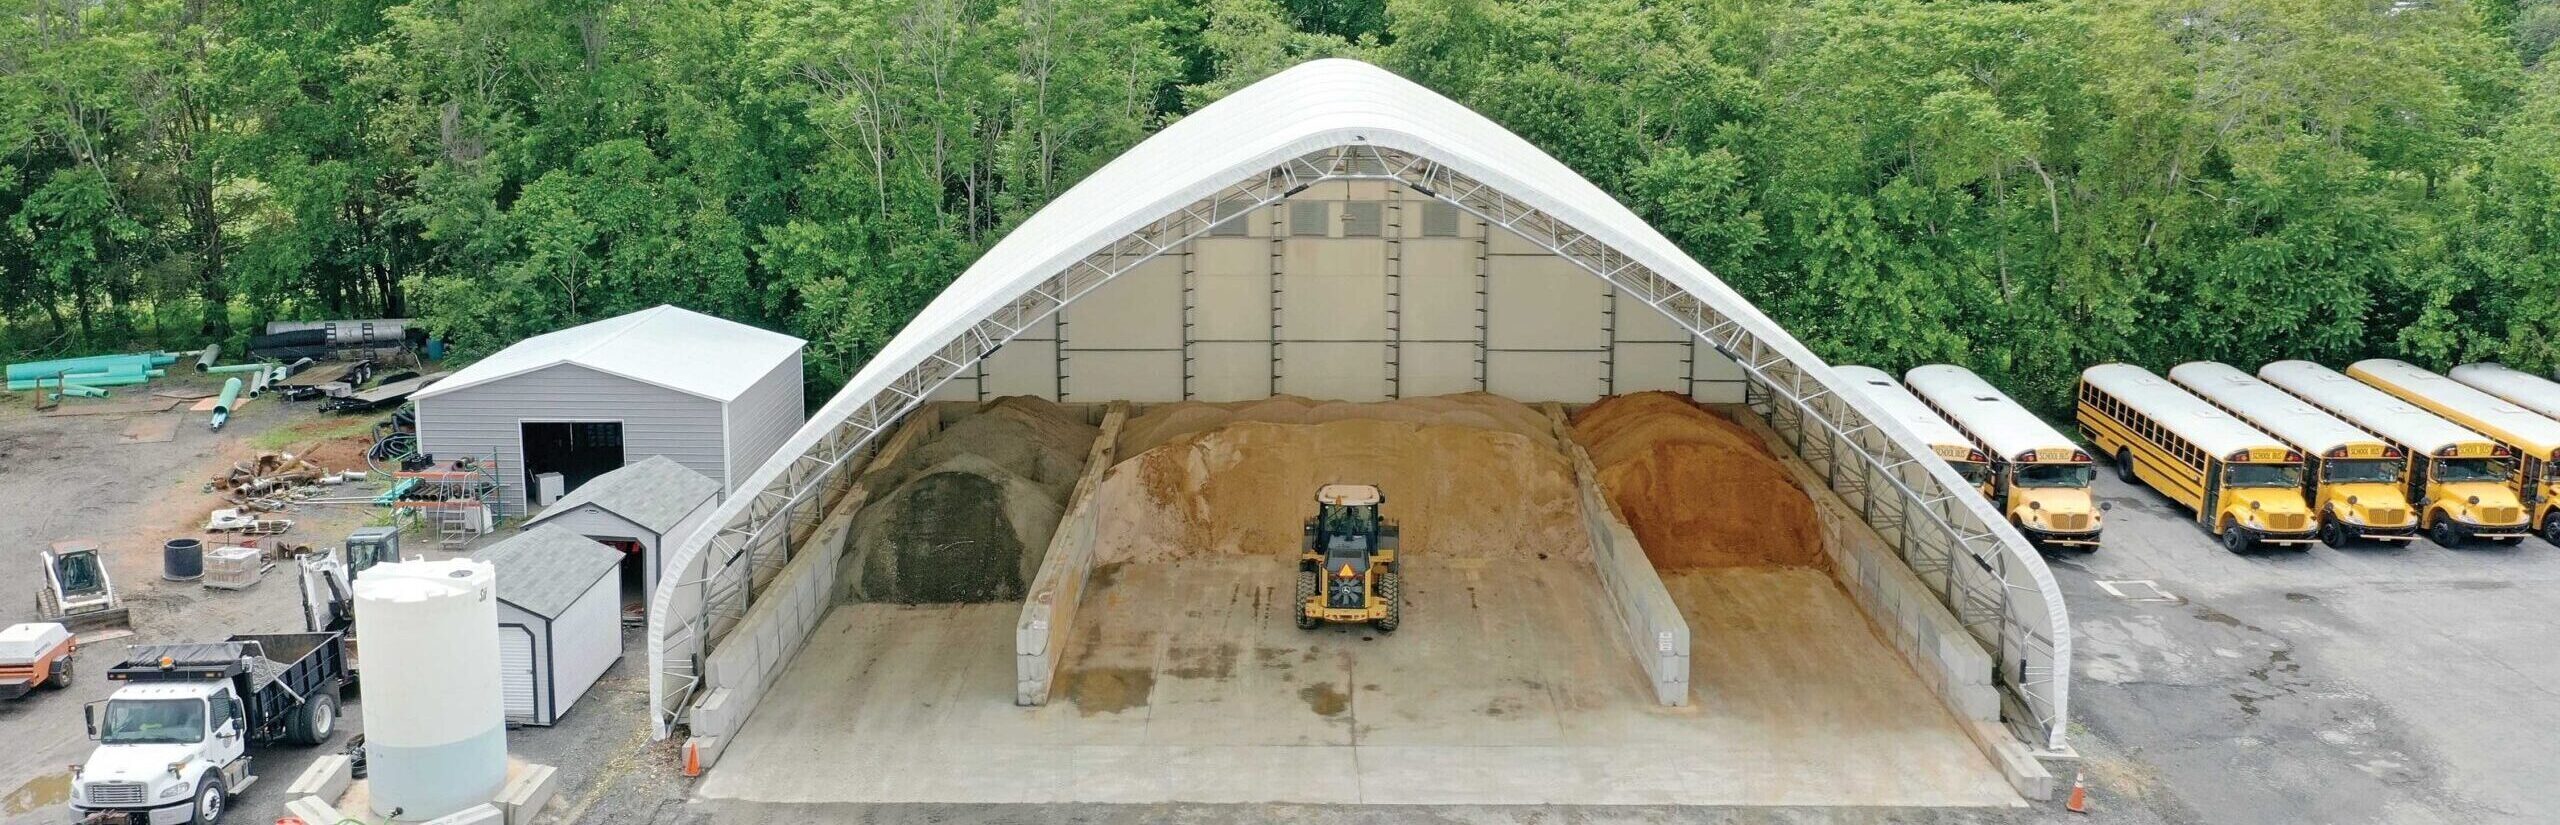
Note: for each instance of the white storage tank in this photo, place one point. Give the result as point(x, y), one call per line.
point(435, 726)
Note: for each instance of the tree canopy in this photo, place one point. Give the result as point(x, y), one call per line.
point(2025, 187)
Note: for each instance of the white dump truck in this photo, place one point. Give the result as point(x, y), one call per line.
point(173, 741)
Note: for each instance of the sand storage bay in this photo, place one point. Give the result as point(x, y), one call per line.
point(965, 515)
point(1467, 476)
point(1697, 489)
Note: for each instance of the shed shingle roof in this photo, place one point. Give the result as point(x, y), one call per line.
point(545, 569)
point(655, 493)
point(667, 346)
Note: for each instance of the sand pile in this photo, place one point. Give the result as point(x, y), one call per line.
point(965, 515)
point(1697, 489)
point(1246, 487)
point(1161, 423)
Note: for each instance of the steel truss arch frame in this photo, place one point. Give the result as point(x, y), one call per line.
point(1973, 559)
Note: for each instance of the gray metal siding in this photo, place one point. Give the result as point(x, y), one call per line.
point(484, 419)
point(761, 420)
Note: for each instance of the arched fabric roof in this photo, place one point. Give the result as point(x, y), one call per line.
point(1267, 133)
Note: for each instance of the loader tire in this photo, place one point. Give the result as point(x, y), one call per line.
point(1309, 584)
point(1391, 591)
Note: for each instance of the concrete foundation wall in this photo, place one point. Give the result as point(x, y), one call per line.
point(736, 673)
point(1651, 624)
point(1914, 621)
point(1049, 612)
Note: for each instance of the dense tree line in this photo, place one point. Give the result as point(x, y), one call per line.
point(2023, 186)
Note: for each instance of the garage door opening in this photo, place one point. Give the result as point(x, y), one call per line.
point(634, 574)
point(577, 450)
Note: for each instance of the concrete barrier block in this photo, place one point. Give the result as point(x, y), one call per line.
point(482, 814)
point(711, 713)
point(528, 788)
point(314, 809)
point(705, 750)
point(327, 777)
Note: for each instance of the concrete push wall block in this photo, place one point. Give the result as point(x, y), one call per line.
point(1049, 609)
point(326, 778)
point(314, 809)
point(481, 814)
point(528, 788)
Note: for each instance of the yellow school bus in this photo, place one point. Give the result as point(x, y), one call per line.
point(2355, 477)
point(2458, 478)
point(2533, 468)
point(2039, 478)
point(1943, 439)
point(2244, 485)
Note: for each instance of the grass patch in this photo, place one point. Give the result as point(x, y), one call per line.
point(314, 431)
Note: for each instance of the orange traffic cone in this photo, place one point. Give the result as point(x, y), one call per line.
point(2079, 803)
point(692, 758)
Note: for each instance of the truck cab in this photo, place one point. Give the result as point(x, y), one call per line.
point(173, 741)
point(167, 753)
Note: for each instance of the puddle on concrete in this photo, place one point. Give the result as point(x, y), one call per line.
point(1214, 662)
point(1103, 575)
point(1110, 689)
point(1325, 699)
point(2301, 598)
point(47, 791)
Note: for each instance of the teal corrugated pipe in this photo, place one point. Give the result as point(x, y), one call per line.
point(222, 404)
point(90, 379)
point(94, 363)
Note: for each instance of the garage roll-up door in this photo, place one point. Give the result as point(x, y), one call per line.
point(515, 670)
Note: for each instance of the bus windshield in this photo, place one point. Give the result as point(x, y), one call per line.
point(2262, 475)
point(2343, 471)
point(153, 722)
point(2053, 475)
point(2474, 469)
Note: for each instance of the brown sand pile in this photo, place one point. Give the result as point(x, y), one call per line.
point(1247, 487)
point(1697, 489)
point(1162, 423)
point(965, 515)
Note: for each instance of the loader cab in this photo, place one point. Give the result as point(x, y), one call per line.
point(77, 571)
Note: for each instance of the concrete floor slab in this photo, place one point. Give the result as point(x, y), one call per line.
point(1187, 682)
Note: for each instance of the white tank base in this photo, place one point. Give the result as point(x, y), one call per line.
point(440, 779)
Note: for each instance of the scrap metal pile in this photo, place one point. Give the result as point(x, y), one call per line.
point(271, 483)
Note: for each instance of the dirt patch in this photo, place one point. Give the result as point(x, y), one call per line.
point(1247, 488)
point(965, 515)
point(1202, 662)
point(1110, 689)
point(1698, 489)
point(1325, 699)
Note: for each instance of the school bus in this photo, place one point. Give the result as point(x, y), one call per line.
point(2354, 477)
point(2039, 478)
point(2245, 486)
point(2457, 478)
point(1943, 439)
point(2534, 466)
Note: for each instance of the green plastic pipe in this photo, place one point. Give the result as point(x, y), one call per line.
point(238, 368)
point(93, 380)
point(78, 391)
point(95, 363)
point(222, 403)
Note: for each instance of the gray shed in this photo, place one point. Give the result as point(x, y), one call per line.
point(559, 619)
point(713, 395)
point(637, 509)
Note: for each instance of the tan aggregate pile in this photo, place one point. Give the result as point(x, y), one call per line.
point(1697, 488)
point(965, 515)
point(1466, 476)
point(1161, 423)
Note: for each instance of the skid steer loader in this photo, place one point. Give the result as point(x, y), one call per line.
point(77, 593)
point(1347, 564)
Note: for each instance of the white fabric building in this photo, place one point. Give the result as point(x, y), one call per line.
point(1340, 232)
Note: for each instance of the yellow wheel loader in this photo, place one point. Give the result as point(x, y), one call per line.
point(1347, 567)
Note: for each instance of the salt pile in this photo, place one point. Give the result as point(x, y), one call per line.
point(1467, 476)
point(1697, 489)
point(965, 515)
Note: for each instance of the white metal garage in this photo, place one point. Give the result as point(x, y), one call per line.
point(1340, 232)
point(559, 619)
